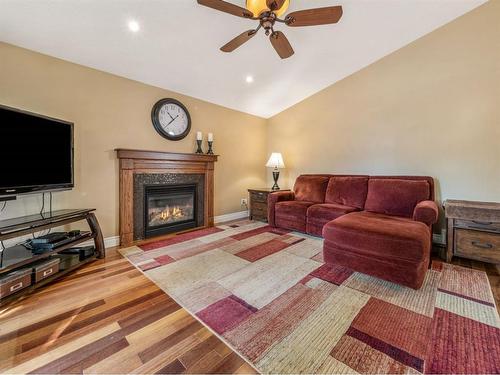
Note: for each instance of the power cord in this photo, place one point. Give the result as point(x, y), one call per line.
point(1, 253)
point(2, 246)
point(1, 242)
point(43, 204)
point(50, 209)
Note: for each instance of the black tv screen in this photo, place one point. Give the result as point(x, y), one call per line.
point(36, 152)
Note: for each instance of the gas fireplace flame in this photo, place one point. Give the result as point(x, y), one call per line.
point(168, 213)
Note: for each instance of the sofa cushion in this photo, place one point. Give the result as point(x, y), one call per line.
point(320, 214)
point(404, 272)
point(394, 196)
point(292, 214)
point(328, 211)
point(293, 208)
point(347, 190)
point(311, 188)
point(381, 236)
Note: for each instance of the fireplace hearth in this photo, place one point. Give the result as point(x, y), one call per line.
point(169, 208)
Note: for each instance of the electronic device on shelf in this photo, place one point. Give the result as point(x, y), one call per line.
point(83, 252)
point(37, 152)
point(49, 238)
point(74, 233)
point(54, 240)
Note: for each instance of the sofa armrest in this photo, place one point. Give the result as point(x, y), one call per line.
point(426, 212)
point(274, 198)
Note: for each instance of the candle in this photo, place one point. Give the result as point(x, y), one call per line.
point(199, 136)
point(210, 137)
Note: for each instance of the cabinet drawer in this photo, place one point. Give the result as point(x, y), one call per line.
point(14, 282)
point(258, 197)
point(258, 211)
point(478, 225)
point(46, 269)
point(477, 245)
point(259, 206)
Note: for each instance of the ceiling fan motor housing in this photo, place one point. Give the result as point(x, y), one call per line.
point(267, 21)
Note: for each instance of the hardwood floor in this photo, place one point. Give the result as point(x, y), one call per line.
point(492, 270)
point(108, 318)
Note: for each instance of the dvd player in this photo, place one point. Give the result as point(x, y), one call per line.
point(58, 240)
point(49, 238)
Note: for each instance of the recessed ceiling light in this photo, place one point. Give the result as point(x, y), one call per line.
point(134, 26)
point(249, 79)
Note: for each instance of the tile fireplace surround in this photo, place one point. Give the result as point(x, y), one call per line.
point(138, 166)
point(145, 182)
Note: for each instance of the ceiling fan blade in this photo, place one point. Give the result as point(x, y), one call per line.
point(313, 17)
point(238, 41)
point(226, 7)
point(281, 44)
point(275, 4)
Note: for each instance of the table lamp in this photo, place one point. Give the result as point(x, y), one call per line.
point(276, 162)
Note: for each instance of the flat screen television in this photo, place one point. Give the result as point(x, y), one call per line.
point(36, 153)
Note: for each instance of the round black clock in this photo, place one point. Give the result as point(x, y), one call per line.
point(171, 119)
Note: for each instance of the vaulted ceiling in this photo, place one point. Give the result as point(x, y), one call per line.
point(177, 46)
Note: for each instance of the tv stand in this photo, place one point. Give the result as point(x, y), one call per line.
point(8, 198)
point(18, 256)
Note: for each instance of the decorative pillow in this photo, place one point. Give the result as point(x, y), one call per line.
point(311, 188)
point(395, 197)
point(347, 190)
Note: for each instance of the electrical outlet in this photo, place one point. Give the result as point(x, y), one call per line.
point(440, 239)
point(244, 202)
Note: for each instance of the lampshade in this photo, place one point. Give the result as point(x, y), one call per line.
point(275, 161)
point(259, 6)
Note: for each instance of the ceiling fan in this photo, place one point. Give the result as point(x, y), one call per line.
point(268, 12)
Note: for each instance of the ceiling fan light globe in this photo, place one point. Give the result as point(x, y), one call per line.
point(259, 6)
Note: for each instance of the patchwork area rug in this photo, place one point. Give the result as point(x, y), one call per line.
point(268, 294)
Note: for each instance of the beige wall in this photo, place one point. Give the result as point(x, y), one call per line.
point(431, 108)
point(112, 112)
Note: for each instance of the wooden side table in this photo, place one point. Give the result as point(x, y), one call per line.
point(473, 230)
point(258, 203)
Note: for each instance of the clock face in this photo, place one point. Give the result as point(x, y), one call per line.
point(171, 119)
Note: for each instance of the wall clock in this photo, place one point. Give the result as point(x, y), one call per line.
point(171, 119)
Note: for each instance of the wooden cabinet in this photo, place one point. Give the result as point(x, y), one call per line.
point(473, 230)
point(258, 203)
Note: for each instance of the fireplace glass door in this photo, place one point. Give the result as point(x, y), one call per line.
point(169, 208)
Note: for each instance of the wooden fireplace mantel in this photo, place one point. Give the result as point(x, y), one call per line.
point(140, 161)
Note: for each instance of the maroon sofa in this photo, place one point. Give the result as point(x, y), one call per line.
point(378, 225)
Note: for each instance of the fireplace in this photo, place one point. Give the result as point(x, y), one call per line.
point(164, 170)
point(169, 208)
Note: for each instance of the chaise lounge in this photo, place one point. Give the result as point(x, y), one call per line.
point(378, 225)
